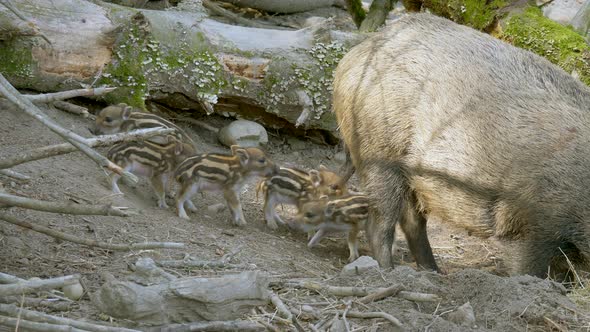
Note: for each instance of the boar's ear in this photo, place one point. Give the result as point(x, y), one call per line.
point(316, 178)
point(126, 112)
point(242, 154)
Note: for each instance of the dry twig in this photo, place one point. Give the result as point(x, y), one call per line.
point(237, 325)
point(218, 10)
point(90, 243)
point(32, 302)
point(49, 97)
point(381, 294)
point(369, 315)
point(30, 315)
point(56, 207)
point(71, 108)
point(200, 263)
point(31, 286)
point(59, 149)
point(15, 175)
point(34, 326)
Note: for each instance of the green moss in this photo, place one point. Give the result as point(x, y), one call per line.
point(16, 60)
point(478, 14)
point(126, 70)
point(559, 44)
point(140, 61)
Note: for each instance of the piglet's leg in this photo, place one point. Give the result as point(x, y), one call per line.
point(234, 205)
point(187, 190)
point(190, 205)
point(159, 183)
point(115, 180)
point(270, 213)
point(319, 235)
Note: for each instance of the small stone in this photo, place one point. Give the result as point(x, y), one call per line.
point(338, 325)
point(215, 208)
point(243, 133)
point(360, 265)
point(464, 315)
point(12, 184)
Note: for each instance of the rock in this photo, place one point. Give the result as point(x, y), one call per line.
point(464, 315)
point(243, 133)
point(73, 292)
point(562, 11)
point(360, 265)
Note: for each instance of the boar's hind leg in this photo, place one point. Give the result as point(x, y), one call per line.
point(414, 226)
point(387, 188)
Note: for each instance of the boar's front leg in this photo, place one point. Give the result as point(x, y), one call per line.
point(414, 226)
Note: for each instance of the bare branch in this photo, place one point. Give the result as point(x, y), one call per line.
point(33, 326)
point(236, 325)
point(418, 297)
point(381, 294)
point(46, 304)
point(90, 243)
point(12, 310)
point(59, 149)
point(9, 279)
point(200, 263)
point(49, 97)
point(32, 286)
point(71, 108)
point(358, 314)
point(28, 107)
point(56, 207)
point(15, 175)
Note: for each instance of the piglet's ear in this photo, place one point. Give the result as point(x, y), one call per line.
point(316, 178)
point(127, 112)
point(323, 168)
point(242, 154)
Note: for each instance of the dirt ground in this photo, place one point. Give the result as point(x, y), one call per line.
point(476, 268)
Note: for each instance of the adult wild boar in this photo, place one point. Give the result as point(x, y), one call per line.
point(444, 121)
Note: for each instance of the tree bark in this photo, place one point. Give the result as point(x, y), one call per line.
point(181, 59)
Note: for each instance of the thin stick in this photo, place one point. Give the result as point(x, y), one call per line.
point(32, 302)
point(198, 123)
point(33, 326)
point(9, 279)
point(56, 207)
point(418, 297)
point(59, 149)
point(90, 243)
point(554, 324)
point(281, 307)
point(71, 108)
point(15, 175)
point(381, 294)
point(28, 107)
point(12, 310)
point(31, 286)
point(378, 314)
point(236, 325)
point(49, 97)
point(199, 263)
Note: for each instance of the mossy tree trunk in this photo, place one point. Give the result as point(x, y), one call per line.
point(377, 14)
point(180, 58)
